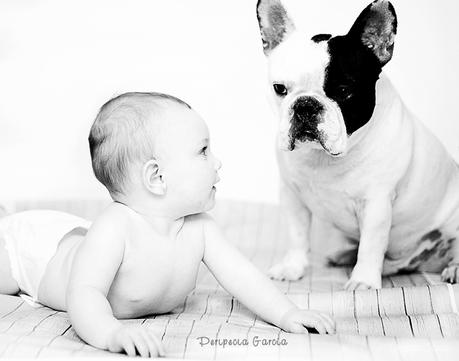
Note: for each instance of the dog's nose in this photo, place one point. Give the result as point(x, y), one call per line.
point(306, 114)
point(308, 102)
point(306, 110)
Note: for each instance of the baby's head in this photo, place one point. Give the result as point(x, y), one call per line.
point(154, 148)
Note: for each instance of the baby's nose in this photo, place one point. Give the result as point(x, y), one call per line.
point(218, 164)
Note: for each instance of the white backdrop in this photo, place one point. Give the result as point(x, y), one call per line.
point(61, 60)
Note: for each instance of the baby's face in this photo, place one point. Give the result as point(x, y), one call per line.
point(188, 166)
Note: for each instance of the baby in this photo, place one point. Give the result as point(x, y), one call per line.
point(142, 254)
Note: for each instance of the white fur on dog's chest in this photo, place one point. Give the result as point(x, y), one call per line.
point(326, 193)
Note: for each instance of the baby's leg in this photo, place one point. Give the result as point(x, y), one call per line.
point(8, 285)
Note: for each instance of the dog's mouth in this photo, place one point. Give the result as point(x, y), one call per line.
point(334, 145)
point(295, 143)
point(308, 136)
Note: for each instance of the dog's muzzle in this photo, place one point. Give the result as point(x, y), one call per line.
point(316, 121)
point(306, 114)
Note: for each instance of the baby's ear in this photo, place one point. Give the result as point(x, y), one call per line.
point(152, 178)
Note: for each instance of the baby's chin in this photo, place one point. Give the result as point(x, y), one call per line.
point(202, 205)
point(209, 205)
point(201, 208)
point(210, 202)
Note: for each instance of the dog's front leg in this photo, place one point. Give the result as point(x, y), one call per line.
point(375, 218)
point(296, 222)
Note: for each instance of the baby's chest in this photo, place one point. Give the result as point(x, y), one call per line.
point(156, 276)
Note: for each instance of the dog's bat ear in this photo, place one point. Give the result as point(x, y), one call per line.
point(375, 28)
point(274, 23)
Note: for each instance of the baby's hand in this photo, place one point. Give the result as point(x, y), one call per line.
point(135, 338)
point(297, 320)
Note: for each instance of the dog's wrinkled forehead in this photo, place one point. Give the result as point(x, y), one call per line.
point(300, 61)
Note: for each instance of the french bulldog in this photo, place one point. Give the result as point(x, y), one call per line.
point(351, 153)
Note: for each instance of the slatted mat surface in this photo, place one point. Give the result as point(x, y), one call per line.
point(412, 318)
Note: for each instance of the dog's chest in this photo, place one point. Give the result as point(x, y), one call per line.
point(327, 193)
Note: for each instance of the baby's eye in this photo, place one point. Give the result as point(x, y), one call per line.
point(203, 151)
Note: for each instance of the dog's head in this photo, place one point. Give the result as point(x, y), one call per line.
point(324, 85)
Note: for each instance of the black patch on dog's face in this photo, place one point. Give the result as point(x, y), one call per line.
point(350, 80)
point(321, 37)
point(306, 114)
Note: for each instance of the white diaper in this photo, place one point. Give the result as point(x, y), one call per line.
point(31, 239)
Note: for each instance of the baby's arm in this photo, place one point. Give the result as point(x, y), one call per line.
point(93, 270)
point(245, 282)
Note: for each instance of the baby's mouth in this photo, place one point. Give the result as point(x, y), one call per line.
point(217, 179)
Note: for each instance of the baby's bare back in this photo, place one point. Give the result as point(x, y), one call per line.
point(155, 275)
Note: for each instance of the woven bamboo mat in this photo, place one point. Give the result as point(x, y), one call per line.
point(411, 318)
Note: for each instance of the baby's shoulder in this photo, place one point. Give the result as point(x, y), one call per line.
point(114, 217)
point(199, 224)
point(107, 234)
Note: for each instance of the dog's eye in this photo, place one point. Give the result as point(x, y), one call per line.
point(344, 92)
point(280, 89)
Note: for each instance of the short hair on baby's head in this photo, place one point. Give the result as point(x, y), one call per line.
point(122, 134)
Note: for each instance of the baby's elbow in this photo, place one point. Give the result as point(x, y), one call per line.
point(77, 295)
point(72, 296)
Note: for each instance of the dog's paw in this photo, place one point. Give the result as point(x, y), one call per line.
point(292, 267)
point(363, 280)
point(353, 285)
point(451, 273)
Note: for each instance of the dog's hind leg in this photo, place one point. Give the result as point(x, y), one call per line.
point(344, 257)
point(451, 272)
point(341, 250)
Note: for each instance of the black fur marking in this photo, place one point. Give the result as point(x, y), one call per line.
point(431, 236)
point(375, 28)
point(321, 37)
point(423, 256)
point(350, 80)
point(438, 255)
point(307, 112)
point(439, 252)
point(356, 60)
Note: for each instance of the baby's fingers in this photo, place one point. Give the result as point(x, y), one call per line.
point(128, 346)
point(316, 322)
point(155, 345)
point(329, 323)
point(141, 345)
